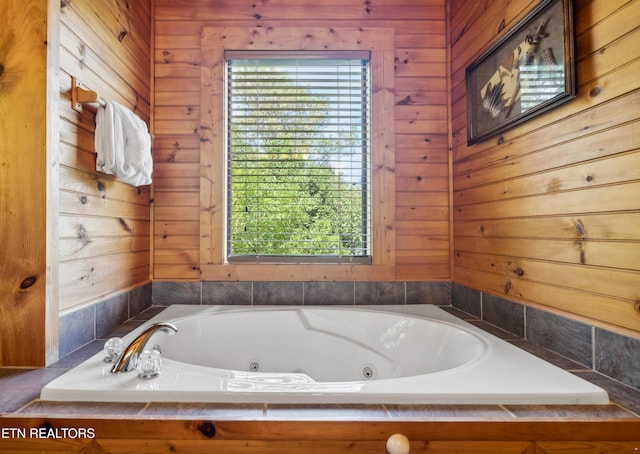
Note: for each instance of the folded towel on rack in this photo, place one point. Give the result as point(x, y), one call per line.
point(123, 145)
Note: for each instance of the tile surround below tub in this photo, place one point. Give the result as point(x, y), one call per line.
point(140, 299)
point(205, 410)
point(21, 386)
point(110, 314)
point(77, 356)
point(553, 332)
point(618, 357)
point(75, 409)
point(586, 347)
point(329, 412)
point(548, 355)
point(149, 313)
point(436, 292)
point(561, 335)
point(379, 293)
point(448, 412)
point(490, 328)
point(278, 293)
point(329, 293)
point(224, 292)
point(168, 293)
point(76, 329)
point(81, 326)
point(625, 396)
point(503, 313)
point(565, 412)
point(301, 293)
point(467, 299)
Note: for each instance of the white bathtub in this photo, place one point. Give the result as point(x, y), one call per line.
point(369, 354)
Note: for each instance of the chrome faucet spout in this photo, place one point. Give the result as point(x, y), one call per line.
point(127, 361)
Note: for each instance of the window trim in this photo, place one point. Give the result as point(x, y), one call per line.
point(215, 41)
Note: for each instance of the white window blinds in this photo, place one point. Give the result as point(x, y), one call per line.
point(298, 164)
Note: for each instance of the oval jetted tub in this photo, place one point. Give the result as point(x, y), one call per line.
point(296, 354)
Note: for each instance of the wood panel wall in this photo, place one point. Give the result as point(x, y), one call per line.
point(104, 225)
point(25, 176)
point(421, 123)
point(549, 212)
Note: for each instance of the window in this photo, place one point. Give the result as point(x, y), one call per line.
point(298, 156)
point(375, 258)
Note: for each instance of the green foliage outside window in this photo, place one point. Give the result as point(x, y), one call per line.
point(290, 191)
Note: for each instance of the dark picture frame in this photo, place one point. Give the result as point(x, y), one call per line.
point(530, 70)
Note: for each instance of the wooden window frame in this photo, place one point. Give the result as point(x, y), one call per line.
point(214, 41)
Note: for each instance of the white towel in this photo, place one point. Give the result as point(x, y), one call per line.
point(123, 145)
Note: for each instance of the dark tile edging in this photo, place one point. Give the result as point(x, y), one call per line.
point(97, 321)
point(608, 353)
point(298, 292)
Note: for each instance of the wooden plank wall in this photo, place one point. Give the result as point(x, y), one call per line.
point(549, 212)
point(24, 174)
point(104, 244)
point(421, 163)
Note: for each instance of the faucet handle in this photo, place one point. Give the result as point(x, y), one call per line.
point(149, 363)
point(113, 348)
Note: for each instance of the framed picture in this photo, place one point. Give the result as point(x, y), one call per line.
point(528, 71)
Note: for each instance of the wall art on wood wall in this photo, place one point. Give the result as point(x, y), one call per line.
point(528, 71)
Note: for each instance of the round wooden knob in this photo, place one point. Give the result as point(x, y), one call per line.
point(398, 444)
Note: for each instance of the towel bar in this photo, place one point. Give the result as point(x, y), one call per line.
point(81, 96)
